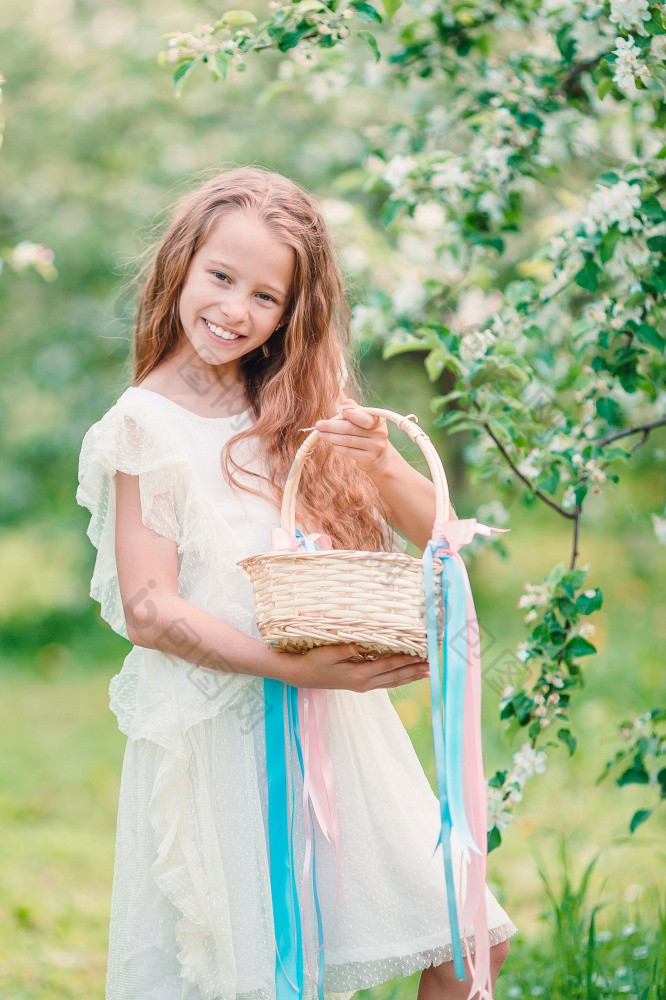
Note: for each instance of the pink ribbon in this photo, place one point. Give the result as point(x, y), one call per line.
point(283, 541)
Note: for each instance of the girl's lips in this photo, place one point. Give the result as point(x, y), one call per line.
point(207, 324)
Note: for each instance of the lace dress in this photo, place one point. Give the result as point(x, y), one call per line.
point(191, 915)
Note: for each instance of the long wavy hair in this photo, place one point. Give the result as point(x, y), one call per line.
point(299, 381)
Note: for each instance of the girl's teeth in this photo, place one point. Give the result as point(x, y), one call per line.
point(219, 332)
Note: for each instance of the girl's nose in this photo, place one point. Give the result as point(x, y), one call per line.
point(234, 309)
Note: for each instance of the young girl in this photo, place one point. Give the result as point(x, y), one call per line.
point(242, 341)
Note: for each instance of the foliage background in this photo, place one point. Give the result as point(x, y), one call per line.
point(96, 147)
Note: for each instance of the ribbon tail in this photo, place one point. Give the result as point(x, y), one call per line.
point(286, 917)
point(325, 799)
point(474, 906)
point(444, 836)
point(456, 583)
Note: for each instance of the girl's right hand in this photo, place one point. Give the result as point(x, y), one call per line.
point(333, 667)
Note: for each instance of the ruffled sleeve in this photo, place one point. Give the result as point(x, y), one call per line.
point(130, 439)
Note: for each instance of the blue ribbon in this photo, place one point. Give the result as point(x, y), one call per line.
point(447, 725)
point(286, 914)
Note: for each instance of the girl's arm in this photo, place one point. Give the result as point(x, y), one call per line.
point(410, 496)
point(157, 617)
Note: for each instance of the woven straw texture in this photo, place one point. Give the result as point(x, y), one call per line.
point(306, 599)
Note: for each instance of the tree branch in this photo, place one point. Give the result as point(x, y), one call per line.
point(576, 520)
point(534, 489)
point(644, 428)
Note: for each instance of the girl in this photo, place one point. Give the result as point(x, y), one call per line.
point(241, 340)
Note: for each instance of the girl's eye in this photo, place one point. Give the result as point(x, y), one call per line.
point(262, 295)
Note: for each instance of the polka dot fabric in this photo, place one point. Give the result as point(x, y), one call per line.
point(191, 915)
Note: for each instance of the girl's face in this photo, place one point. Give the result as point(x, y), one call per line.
point(236, 290)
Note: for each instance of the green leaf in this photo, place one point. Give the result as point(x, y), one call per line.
point(649, 335)
point(578, 647)
point(609, 241)
point(494, 839)
point(368, 37)
point(391, 6)
point(657, 243)
point(639, 817)
point(635, 774)
point(434, 365)
point(290, 39)
point(565, 43)
point(605, 85)
point(236, 19)
point(588, 276)
point(652, 209)
point(366, 11)
point(586, 605)
point(403, 344)
point(182, 69)
point(495, 371)
point(567, 737)
point(222, 63)
point(609, 410)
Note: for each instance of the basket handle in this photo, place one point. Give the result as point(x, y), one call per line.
point(411, 428)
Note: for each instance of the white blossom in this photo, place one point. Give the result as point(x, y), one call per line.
point(475, 344)
point(498, 815)
point(409, 297)
point(449, 174)
point(659, 526)
point(584, 629)
point(429, 215)
point(569, 498)
point(630, 14)
point(536, 595)
point(627, 66)
point(523, 652)
point(596, 474)
point(528, 466)
point(492, 205)
point(397, 169)
point(608, 205)
point(527, 761)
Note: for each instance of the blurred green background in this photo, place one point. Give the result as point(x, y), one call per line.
point(96, 149)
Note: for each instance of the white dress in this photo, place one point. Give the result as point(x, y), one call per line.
point(191, 915)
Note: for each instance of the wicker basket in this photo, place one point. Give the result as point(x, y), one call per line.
point(377, 599)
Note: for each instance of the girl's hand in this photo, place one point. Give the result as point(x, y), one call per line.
point(361, 435)
point(338, 667)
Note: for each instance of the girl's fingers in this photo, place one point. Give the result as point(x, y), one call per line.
point(399, 675)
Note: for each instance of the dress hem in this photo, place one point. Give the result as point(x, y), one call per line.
point(405, 965)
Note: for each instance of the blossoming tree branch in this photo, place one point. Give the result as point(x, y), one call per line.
point(524, 189)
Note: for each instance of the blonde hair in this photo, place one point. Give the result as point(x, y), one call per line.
point(299, 381)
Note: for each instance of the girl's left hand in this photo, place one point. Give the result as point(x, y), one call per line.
point(361, 435)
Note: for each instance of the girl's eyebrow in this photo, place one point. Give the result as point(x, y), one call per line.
point(272, 288)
